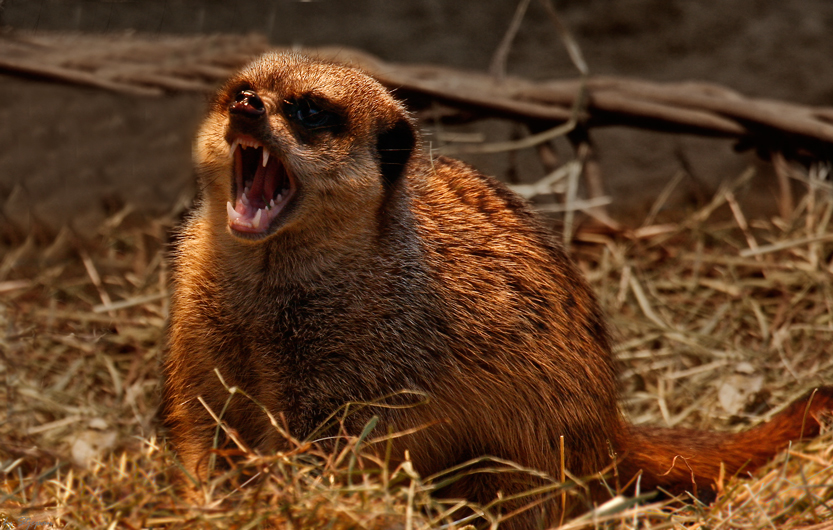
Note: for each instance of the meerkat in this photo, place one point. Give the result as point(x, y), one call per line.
point(330, 260)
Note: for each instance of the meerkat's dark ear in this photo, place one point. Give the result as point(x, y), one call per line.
point(395, 146)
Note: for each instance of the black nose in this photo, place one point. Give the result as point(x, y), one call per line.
point(247, 103)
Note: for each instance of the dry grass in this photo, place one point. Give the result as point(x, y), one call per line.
point(719, 321)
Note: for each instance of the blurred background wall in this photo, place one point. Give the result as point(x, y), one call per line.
point(72, 155)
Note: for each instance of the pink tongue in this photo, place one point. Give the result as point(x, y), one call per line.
point(260, 188)
point(256, 192)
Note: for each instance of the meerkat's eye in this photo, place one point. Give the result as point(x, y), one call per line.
point(310, 115)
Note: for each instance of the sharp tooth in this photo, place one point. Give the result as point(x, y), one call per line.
point(256, 220)
point(232, 214)
point(234, 145)
point(244, 199)
point(272, 203)
point(279, 198)
point(265, 157)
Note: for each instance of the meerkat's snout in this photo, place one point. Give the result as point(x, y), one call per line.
point(247, 103)
point(261, 186)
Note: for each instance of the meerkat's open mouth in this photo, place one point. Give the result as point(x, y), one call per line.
point(261, 187)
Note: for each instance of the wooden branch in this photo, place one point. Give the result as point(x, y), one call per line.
point(68, 75)
point(696, 107)
point(129, 63)
point(153, 65)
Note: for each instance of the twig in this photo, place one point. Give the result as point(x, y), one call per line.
point(741, 220)
point(510, 145)
point(575, 205)
point(644, 304)
point(130, 302)
point(786, 203)
point(662, 198)
point(570, 43)
point(95, 278)
point(766, 249)
point(498, 65)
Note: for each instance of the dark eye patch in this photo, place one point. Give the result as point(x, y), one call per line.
point(311, 115)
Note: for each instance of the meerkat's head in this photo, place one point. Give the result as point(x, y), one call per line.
point(292, 143)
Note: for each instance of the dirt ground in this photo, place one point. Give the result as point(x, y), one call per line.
point(72, 155)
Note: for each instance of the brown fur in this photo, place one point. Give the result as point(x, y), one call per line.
point(391, 271)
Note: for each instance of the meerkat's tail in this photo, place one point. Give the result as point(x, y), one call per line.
point(680, 460)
